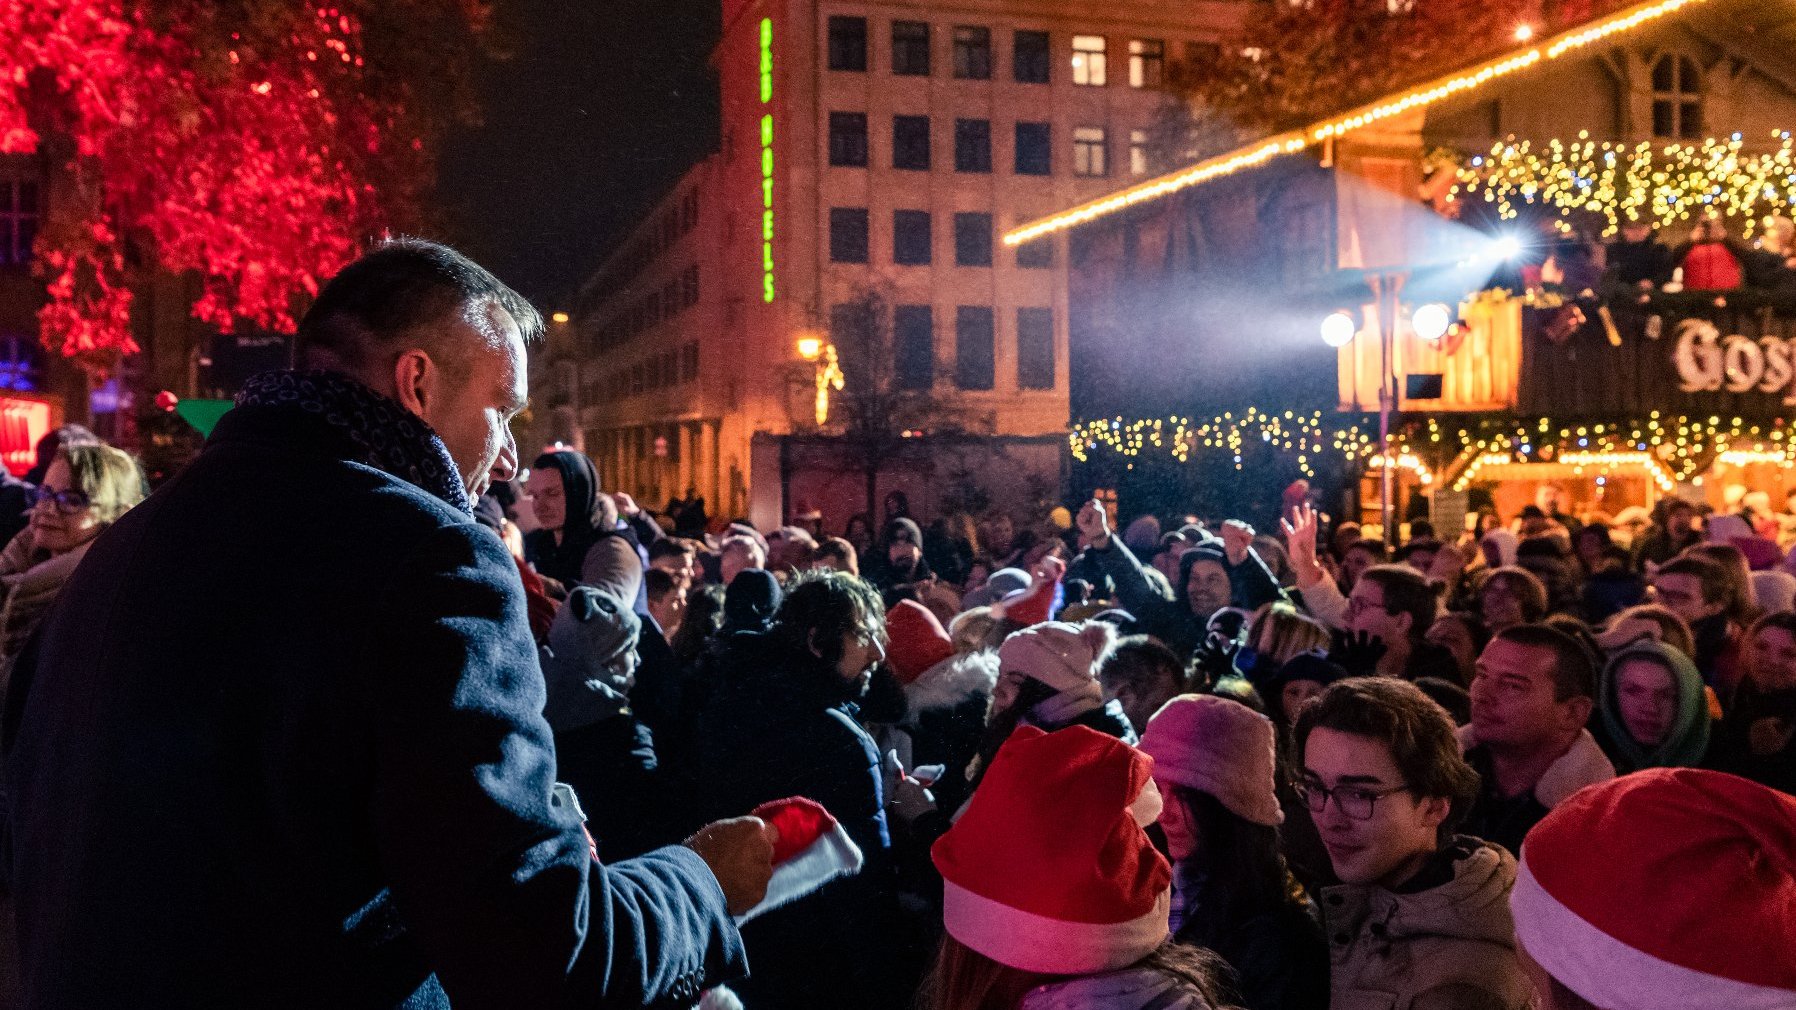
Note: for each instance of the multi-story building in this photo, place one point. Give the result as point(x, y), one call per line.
point(875, 148)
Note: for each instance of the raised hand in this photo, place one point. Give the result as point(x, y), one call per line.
point(1094, 525)
point(1300, 544)
point(1237, 537)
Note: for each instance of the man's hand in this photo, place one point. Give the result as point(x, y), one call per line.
point(626, 505)
point(739, 852)
point(1237, 537)
point(1094, 525)
point(910, 799)
point(1300, 544)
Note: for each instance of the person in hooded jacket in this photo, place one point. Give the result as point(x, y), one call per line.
point(579, 542)
point(601, 749)
point(1653, 709)
point(751, 600)
point(899, 559)
point(1212, 576)
point(1420, 920)
point(782, 719)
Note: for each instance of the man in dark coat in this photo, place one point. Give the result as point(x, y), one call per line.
point(282, 743)
point(783, 721)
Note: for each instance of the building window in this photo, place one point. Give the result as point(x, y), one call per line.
point(850, 324)
point(910, 48)
point(1138, 152)
point(910, 142)
point(974, 366)
point(973, 53)
point(973, 240)
point(1030, 57)
point(1035, 348)
point(1147, 63)
point(972, 145)
point(913, 346)
point(1089, 154)
point(848, 139)
point(1034, 149)
point(18, 221)
point(848, 44)
point(910, 238)
point(1088, 60)
point(1677, 99)
point(1036, 255)
point(848, 234)
point(689, 362)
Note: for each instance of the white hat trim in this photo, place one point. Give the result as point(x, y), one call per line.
point(1613, 975)
point(1030, 942)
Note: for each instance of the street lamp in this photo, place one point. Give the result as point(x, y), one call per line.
point(828, 372)
point(1338, 328)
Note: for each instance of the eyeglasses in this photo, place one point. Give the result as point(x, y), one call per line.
point(1354, 801)
point(67, 502)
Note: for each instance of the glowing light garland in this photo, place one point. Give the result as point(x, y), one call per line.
point(1668, 450)
point(1259, 152)
point(1623, 182)
point(767, 288)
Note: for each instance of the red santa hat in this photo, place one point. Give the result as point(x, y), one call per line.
point(1032, 605)
point(812, 851)
point(1048, 870)
point(915, 641)
point(1672, 887)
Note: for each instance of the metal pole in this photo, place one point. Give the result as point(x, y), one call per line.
point(1387, 287)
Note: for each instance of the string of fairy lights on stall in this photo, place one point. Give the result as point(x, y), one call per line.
point(1668, 450)
point(1619, 183)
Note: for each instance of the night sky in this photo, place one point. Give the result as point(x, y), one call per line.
point(600, 108)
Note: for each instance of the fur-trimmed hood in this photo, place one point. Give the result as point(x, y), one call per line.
point(953, 681)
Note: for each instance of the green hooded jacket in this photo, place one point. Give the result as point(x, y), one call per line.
point(1688, 740)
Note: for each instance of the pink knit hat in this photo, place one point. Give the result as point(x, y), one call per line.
point(1048, 870)
point(1219, 747)
point(1062, 656)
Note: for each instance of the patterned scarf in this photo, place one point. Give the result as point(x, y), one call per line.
point(391, 438)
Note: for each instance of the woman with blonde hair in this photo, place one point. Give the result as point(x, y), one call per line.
point(1279, 633)
point(85, 490)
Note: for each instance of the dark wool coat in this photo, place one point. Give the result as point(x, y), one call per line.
point(281, 745)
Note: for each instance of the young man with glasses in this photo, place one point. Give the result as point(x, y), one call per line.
point(1420, 919)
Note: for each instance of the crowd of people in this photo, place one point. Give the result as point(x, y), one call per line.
point(263, 753)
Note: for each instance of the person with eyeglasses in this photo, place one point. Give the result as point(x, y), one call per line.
point(1420, 919)
point(86, 489)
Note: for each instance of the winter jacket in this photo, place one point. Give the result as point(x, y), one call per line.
point(1687, 742)
point(1446, 941)
point(1279, 955)
point(778, 723)
point(30, 580)
point(1138, 987)
point(1505, 820)
point(267, 757)
point(1170, 619)
point(1732, 751)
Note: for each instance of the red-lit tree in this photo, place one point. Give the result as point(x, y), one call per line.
point(253, 143)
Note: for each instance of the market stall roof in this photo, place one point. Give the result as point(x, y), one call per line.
point(1765, 27)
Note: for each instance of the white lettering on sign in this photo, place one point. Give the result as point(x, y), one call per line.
point(1708, 362)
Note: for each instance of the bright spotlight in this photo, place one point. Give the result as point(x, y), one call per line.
point(1338, 328)
point(1524, 32)
point(1431, 321)
point(1507, 247)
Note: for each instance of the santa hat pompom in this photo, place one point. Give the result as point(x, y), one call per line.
point(812, 850)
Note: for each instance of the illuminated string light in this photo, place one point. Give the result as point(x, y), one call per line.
point(1259, 152)
point(1667, 450)
point(1635, 182)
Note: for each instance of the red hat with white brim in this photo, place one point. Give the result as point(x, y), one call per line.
point(1048, 869)
point(1672, 887)
point(812, 850)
